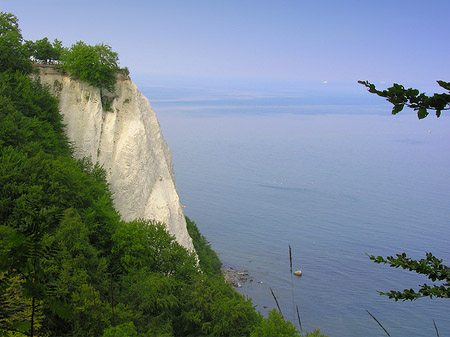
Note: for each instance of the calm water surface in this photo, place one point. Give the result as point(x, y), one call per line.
point(333, 185)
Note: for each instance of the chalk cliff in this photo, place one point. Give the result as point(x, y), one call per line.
point(126, 139)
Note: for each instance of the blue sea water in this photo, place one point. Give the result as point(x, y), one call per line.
point(259, 171)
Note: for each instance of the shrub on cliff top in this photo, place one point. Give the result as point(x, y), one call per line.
point(96, 65)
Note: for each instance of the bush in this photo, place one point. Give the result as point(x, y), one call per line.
point(275, 325)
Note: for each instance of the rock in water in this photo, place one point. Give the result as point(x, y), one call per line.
point(123, 135)
point(298, 273)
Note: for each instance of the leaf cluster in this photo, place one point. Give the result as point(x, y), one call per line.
point(431, 266)
point(413, 98)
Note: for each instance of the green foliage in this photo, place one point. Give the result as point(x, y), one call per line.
point(43, 191)
point(90, 315)
point(399, 97)
point(153, 298)
point(15, 309)
point(432, 267)
point(275, 325)
point(233, 316)
point(145, 244)
point(13, 54)
point(209, 261)
point(124, 71)
point(57, 50)
point(167, 294)
point(96, 65)
point(44, 51)
point(315, 333)
point(121, 330)
point(30, 116)
point(107, 103)
point(211, 307)
point(57, 86)
point(28, 251)
point(68, 265)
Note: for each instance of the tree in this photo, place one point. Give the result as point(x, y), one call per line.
point(431, 266)
point(15, 309)
point(44, 51)
point(412, 98)
point(13, 55)
point(58, 50)
point(26, 251)
point(96, 65)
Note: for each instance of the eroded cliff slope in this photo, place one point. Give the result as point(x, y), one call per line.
point(124, 136)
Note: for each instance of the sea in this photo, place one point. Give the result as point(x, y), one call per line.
point(323, 168)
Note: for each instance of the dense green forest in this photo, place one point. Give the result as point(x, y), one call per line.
point(69, 266)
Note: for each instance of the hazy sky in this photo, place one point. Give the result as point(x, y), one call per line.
point(317, 40)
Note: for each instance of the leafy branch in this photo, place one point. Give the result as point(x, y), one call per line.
point(431, 266)
point(413, 98)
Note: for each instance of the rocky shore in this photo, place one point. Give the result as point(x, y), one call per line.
point(236, 277)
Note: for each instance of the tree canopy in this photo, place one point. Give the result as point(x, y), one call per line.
point(13, 55)
point(44, 51)
point(96, 65)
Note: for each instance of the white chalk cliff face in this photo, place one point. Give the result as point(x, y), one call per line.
point(127, 142)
